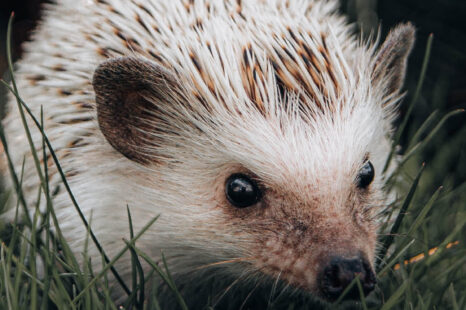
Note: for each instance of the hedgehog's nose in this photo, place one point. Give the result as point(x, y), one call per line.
point(340, 272)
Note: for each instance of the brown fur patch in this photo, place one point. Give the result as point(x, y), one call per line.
point(76, 120)
point(140, 22)
point(35, 78)
point(63, 92)
point(59, 68)
point(252, 75)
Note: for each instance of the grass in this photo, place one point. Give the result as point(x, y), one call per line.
point(421, 262)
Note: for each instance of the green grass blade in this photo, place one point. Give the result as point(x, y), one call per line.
point(15, 235)
point(396, 257)
point(345, 292)
point(361, 293)
point(6, 278)
point(32, 254)
point(422, 215)
point(452, 268)
point(458, 228)
point(115, 259)
point(86, 266)
point(454, 303)
point(14, 176)
point(420, 146)
point(422, 129)
point(165, 277)
point(137, 271)
point(181, 301)
point(395, 297)
point(396, 226)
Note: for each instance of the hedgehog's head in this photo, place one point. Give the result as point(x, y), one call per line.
point(286, 182)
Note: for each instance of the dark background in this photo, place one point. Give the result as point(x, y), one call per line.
point(27, 13)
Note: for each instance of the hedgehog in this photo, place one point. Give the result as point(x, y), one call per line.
point(257, 130)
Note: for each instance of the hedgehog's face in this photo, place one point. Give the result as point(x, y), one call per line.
point(292, 196)
point(316, 233)
point(308, 215)
point(316, 241)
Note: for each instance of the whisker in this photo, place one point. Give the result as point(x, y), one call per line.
point(239, 259)
point(249, 295)
point(243, 275)
point(395, 234)
point(274, 288)
point(285, 287)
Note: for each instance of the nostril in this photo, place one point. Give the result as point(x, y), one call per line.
point(337, 277)
point(340, 272)
point(332, 279)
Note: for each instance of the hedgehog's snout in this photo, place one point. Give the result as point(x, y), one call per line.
point(340, 272)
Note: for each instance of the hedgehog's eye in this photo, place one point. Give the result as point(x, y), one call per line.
point(366, 175)
point(241, 191)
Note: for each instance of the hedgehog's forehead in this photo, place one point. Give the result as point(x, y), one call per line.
point(290, 149)
point(291, 107)
point(293, 103)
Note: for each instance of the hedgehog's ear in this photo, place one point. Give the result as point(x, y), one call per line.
point(391, 59)
point(130, 94)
